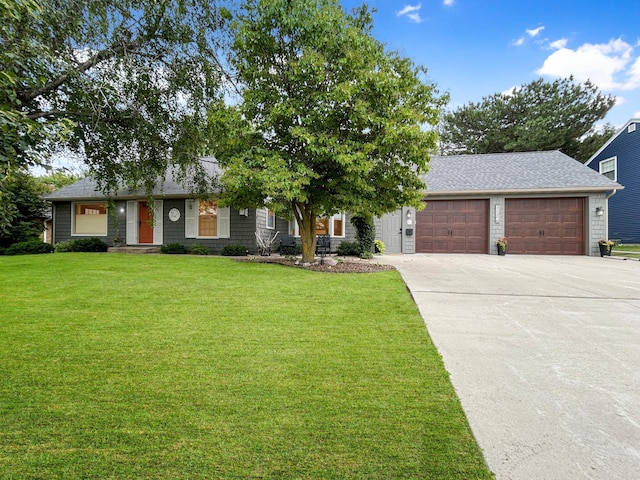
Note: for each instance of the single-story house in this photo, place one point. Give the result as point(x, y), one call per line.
point(543, 202)
point(179, 216)
point(619, 160)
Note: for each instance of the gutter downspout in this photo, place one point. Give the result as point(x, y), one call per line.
point(606, 218)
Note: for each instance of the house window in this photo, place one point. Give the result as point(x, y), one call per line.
point(90, 219)
point(333, 226)
point(271, 219)
point(207, 218)
point(609, 168)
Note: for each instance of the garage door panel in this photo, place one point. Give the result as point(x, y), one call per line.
point(453, 226)
point(556, 229)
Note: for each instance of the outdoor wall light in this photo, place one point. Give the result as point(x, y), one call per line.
point(121, 209)
point(599, 211)
point(409, 221)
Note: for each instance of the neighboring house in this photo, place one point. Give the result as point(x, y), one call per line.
point(175, 216)
point(619, 160)
point(543, 202)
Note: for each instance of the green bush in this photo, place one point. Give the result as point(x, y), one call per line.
point(366, 255)
point(66, 246)
point(88, 245)
point(349, 248)
point(379, 247)
point(29, 247)
point(81, 245)
point(173, 249)
point(199, 249)
point(234, 251)
point(365, 233)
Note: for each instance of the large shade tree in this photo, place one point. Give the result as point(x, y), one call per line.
point(328, 121)
point(540, 115)
point(124, 83)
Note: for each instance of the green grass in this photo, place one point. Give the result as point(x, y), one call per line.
point(628, 251)
point(126, 366)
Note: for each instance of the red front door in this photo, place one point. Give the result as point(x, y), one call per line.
point(145, 223)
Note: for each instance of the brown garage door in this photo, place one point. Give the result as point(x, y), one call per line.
point(453, 226)
point(545, 226)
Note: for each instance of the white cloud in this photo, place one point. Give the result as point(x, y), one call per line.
point(535, 31)
point(448, 3)
point(558, 44)
point(510, 91)
point(519, 42)
point(603, 64)
point(411, 12)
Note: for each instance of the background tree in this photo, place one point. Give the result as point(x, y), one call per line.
point(536, 116)
point(328, 121)
point(55, 180)
point(592, 142)
point(124, 83)
point(27, 209)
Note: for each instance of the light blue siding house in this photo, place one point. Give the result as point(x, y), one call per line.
point(619, 160)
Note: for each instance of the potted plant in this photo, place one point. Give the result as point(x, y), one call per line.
point(605, 247)
point(502, 245)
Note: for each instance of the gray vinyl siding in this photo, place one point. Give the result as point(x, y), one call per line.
point(62, 223)
point(241, 229)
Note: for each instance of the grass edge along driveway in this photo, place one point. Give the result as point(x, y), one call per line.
point(125, 366)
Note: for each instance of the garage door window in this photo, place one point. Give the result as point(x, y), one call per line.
point(609, 168)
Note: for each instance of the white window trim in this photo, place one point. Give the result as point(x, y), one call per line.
point(267, 216)
point(615, 167)
point(296, 229)
point(73, 220)
point(192, 207)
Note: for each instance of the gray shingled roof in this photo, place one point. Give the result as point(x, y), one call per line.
point(87, 188)
point(535, 172)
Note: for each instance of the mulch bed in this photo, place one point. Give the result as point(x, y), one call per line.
point(346, 265)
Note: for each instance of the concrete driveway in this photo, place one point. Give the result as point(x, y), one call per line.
point(544, 353)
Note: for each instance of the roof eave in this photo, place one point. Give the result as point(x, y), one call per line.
point(521, 191)
point(613, 137)
point(115, 198)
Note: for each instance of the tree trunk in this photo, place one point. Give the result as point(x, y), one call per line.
point(306, 219)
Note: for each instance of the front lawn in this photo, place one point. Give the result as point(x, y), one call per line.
point(629, 251)
point(166, 367)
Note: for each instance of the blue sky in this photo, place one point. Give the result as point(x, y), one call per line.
point(474, 48)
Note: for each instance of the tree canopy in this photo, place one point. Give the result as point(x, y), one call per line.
point(328, 121)
point(22, 203)
point(537, 116)
point(125, 83)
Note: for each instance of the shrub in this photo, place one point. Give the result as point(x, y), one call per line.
point(349, 248)
point(379, 247)
point(66, 246)
point(89, 245)
point(199, 249)
point(366, 255)
point(234, 251)
point(173, 249)
point(29, 247)
point(365, 232)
